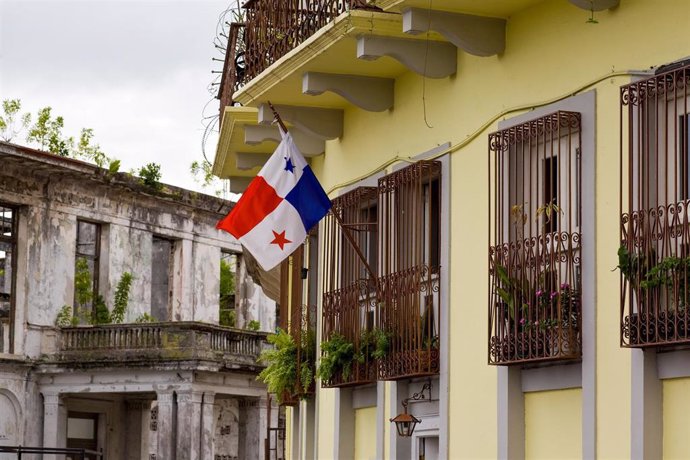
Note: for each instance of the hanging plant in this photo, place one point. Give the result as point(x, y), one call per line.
point(280, 375)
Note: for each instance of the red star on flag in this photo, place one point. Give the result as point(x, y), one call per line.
point(280, 239)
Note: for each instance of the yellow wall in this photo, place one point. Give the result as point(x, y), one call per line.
point(553, 425)
point(676, 418)
point(551, 53)
point(365, 433)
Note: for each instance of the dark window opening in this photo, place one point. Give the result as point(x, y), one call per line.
point(161, 273)
point(683, 152)
point(226, 300)
point(82, 432)
point(550, 206)
point(86, 268)
point(8, 246)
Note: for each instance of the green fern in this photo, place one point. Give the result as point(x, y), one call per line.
point(121, 298)
point(280, 375)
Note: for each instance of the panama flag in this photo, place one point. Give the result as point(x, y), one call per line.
point(279, 207)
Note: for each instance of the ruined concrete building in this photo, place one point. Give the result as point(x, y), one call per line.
point(80, 366)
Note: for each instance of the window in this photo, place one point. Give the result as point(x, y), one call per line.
point(396, 227)
point(86, 268)
point(8, 249)
point(534, 254)
point(226, 301)
point(82, 432)
point(349, 298)
point(655, 171)
point(161, 273)
point(409, 203)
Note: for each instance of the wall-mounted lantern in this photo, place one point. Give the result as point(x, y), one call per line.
point(405, 423)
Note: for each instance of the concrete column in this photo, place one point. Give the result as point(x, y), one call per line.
point(54, 423)
point(136, 429)
point(511, 414)
point(646, 407)
point(252, 428)
point(208, 428)
point(344, 442)
point(189, 425)
point(166, 425)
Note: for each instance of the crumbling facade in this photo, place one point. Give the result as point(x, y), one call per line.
point(167, 382)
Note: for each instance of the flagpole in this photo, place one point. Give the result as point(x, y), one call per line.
point(355, 246)
point(346, 231)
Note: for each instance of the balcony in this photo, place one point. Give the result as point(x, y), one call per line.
point(654, 257)
point(655, 277)
point(535, 312)
point(534, 317)
point(272, 29)
point(160, 343)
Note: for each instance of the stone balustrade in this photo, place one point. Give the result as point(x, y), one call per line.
point(170, 341)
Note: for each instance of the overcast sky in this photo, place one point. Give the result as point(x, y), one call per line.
point(135, 71)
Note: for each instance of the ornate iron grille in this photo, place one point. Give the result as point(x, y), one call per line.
point(349, 299)
point(409, 266)
point(299, 321)
point(234, 67)
point(534, 252)
point(275, 27)
point(654, 257)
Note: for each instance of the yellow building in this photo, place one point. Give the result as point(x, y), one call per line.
point(494, 162)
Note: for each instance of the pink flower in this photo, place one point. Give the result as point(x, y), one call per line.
point(522, 321)
point(554, 294)
point(539, 293)
point(565, 286)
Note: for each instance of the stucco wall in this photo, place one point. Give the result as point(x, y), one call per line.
point(553, 424)
point(551, 53)
point(676, 404)
point(365, 433)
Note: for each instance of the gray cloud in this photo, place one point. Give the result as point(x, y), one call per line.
point(134, 71)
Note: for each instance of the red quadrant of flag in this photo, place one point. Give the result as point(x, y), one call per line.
point(259, 200)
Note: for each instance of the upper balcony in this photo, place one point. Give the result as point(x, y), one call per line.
point(654, 257)
point(160, 344)
point(314, 59)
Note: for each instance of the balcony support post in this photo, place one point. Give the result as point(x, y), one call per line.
point(431, 59)
point(320, 123)
point(188, 425)
point(373, 94)
point(511, 414)
point(307, 145)
point(208, 428)
point(478, 35)
point(54, 422)
point(646, 411)
point(166, 425)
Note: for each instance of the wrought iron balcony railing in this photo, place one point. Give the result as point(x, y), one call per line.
point(271, 29)
point(160, 342)
point(655, 266)
point(654, 257)
point(534, 229)
point(535, 312)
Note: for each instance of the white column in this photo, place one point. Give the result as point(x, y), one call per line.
point(54, 422)
point(208, 428)
point(252, 428)
point(166, 426)
point(188, 425)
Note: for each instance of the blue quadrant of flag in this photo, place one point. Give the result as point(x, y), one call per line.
point(309, 199)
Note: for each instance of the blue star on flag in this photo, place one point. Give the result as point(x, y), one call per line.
point(289, 166)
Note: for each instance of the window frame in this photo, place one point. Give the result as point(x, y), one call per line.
point(13, 242)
